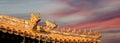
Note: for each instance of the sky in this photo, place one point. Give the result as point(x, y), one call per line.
point(102, 15)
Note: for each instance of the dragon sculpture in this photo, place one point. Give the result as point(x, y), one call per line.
point(50, 32)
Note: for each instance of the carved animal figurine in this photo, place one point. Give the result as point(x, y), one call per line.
point(29, 28)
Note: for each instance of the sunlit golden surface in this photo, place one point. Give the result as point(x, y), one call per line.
point(29, 28)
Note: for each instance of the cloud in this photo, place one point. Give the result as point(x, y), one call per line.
point(108, 24)
point(71, 19)
point(111, 38)
point(104, 10)
point(103, 15)
point(16, 7)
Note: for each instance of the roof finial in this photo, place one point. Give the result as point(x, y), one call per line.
point(84, 32)
point(79, 30)
point(68, 30)
point(74, 30)
point(90, 32)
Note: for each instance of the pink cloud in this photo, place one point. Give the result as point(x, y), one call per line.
point(109, 24)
